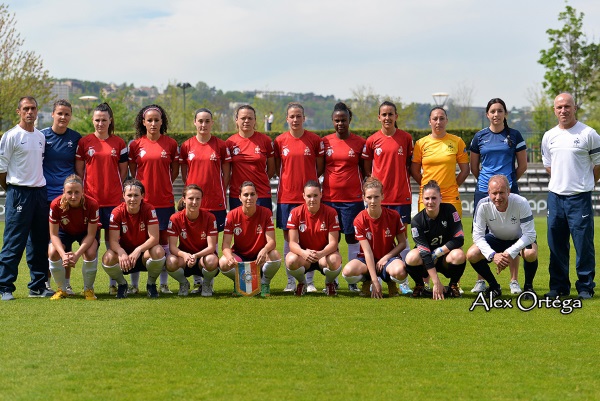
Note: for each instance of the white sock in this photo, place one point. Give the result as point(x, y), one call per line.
point(353, 250)
point(178, 275)
point(229, 273)
point(115, 273)
point(135, 279)
point(67, 281)
point(209, 275)
point(164, 275)
point(88, 271)
point(298, 274)
point(112, 283)
point(310, 277)
point(58, 273)
point(154, 267)
point(353, 279)
point(286, 250)
point(405, 281)
point(331, 275)
point(269, 270)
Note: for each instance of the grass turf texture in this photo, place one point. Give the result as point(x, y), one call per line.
point(296, 348)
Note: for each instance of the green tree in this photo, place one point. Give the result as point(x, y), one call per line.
point(542, 115)
point(572, 61)
point(365, 109)
point(22, 72)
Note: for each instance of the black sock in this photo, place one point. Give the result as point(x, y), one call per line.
point(456, 272)
point(416, 273)
point(483, 269)
point(530, 270)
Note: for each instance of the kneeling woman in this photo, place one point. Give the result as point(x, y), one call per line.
point(438, 234)
point(73, 217)
point(133, 240)
point(196, 231)
point(314, 232)
point(382, 237)
point(251, 229)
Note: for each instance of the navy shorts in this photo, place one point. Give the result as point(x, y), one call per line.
point(283, 213)
point(68, 239)
point(140, 266)
point(264, 202)
point(403, 210)
point(220, 217)
point(501, 245)
point(383, 274)
point(104, 216)
point(347, 212)
point(164, 214)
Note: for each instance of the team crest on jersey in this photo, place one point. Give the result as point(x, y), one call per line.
point(513, 220)
point(142, 227)
point(163, 154)
point(378, 151)
point(259, 229)
point(329, 152)
point(450, 147)
point(307, 151)
point(351, 153)
point(237, 230)
point(401, 150)
point(257, 150)
point(444, 223)
point(85, 220)
point(576, 142)
point(388, 232)
point(369, 235)
point(236, 151)
point(123, 227)
point(142, 152)
point(65, 220)
point(183, 234)
point(323, 226)
point(91, 151)
point(19, 209)
point(455, 216)
point(285, 151)
point(70, 144)
point(213, 157)
point(203, 236)
point(415, 232)
point(113, 152)
point(191, 156)
point(302, 227)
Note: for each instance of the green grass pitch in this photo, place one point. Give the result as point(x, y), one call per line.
point(296, 348)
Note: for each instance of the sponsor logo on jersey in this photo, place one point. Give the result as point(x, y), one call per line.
point(378, 151)
point(455, 217)
point(91, 151)
point(191, 156)
point(142, 152)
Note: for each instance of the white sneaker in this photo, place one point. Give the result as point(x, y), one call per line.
point(207, 288)
point(291, 286)
point(164, 289)
point(310, 287)
point(69, 290)
point(515, 288)
point(479, 286)
point(184, 289)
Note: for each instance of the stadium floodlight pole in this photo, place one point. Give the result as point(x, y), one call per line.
point(184, 86)
point(440, 98)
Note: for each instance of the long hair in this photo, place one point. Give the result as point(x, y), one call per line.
point(140, 128)
point(64, 202)
point(104, 107)
point(181, 202)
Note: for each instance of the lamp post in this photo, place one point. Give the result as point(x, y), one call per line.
point(87, 100)
point(184, 86)
point(440, 98)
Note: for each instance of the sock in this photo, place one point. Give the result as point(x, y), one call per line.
point(331, 275)
point(310, 277)
point(67, 281)
point(456, 272)
point(353, 250)
point(58, 273)
point(197, 279)
point(483, 269)
point(164, 275)
point(405, 251)
point(269, 270)
point(530, 270)
point(298, 274)
point(178, 275)
point(154, 267)
point(209, 274)
point(115, 273)
point(135, 279)
point(112, 283)
point(353, 279)
point(229, 273)
point(395, 280)
point(286, 250)
point(416, 273)
point(88, 271)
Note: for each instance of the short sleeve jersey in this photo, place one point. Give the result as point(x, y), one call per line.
point(313, 229)
point(572, 155)
point(102, 179)
point(21, 155)
point(193, 234)
point(342, 179)
point(391, 156)
point(438, 159)
point(249, 163)
point(74, 220)
point(59, 159)
point(381, 232)
point(298, 164)
point(497, 155)
point(205, 168)
point(133, 228)
point(249, 233)
point(153, 160)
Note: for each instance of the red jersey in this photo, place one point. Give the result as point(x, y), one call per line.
point(133, 227)
point(153, 160)
point(298, 164)
point(102, 179)
point(75, 220)
point(249, 233)
point(342, 180)
point(391, 157)
point(249, 163)
point(381, 233)
point(193, 234)
point(313, 229)
point(205, 161)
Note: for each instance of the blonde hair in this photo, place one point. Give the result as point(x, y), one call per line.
point(64, 202)
point(372, 182)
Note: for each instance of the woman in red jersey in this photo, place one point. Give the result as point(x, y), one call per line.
point(73, 217)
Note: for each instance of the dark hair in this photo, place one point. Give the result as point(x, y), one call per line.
point(105, 108)
point(181, 203)
point(372, 182)
point(134, 183)
point(140, 128)
point(30, 98)
point(312, 184)
point(294, 105)
point(494, 101)
point(388, 103)
point(202, 110)
point(432, 184)
point(438, 108)
point(244, 107)
point(247, 184)
point(61, 102)
point(341, 106)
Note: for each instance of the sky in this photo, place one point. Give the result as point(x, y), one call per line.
point(397, 48)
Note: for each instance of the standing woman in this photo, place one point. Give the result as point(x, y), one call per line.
point(498, 149)
point(101, 160)
point(59, 158)
point(250, 227)
point(343, 175)
point(252, 159)
point(196, 232)
point(298, 159)
point(73, 217)
point(435, 158)
point(154, 160)
point(133, 241)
